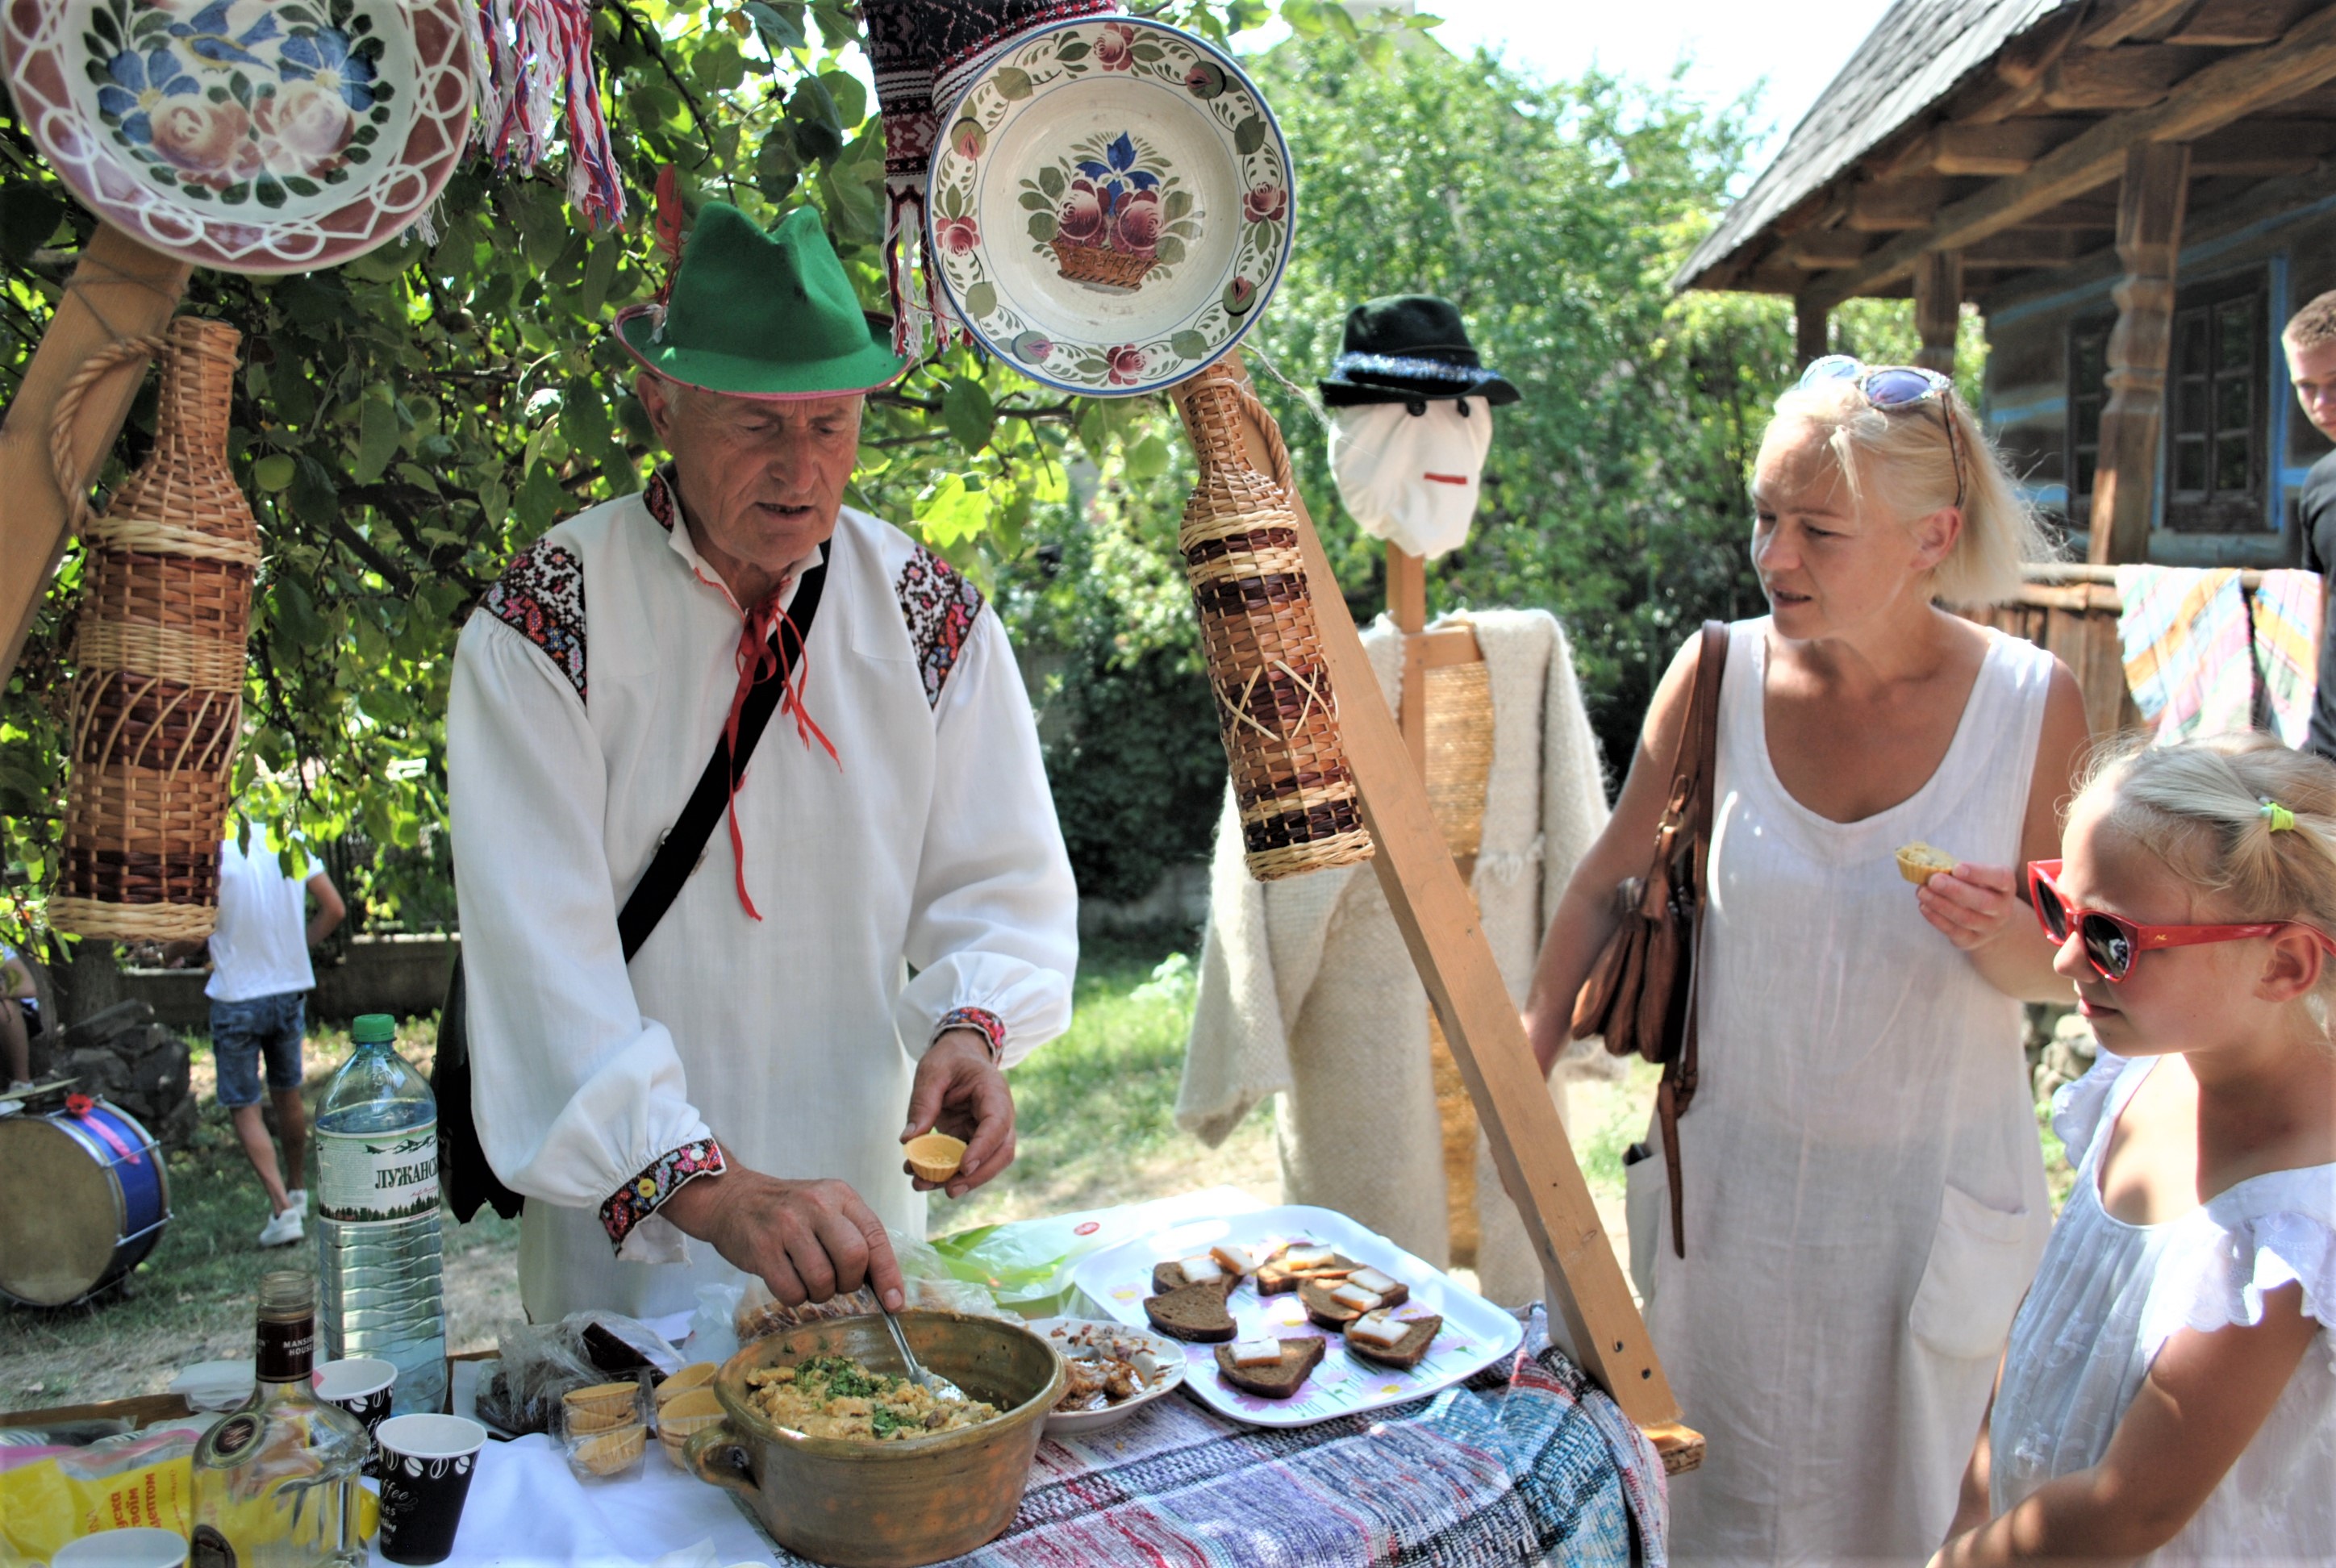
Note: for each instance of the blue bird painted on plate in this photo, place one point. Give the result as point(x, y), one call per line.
point(207, 37)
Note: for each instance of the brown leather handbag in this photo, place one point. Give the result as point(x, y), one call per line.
point(1641, 994)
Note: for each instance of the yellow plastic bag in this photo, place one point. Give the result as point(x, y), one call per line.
point(145, 1482)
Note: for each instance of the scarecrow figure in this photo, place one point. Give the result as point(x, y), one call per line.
point(1307, 989)
point(728, 1090)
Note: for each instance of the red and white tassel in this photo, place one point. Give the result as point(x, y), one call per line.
point(525, 52)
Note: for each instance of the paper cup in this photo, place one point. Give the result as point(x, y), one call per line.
point(425, 1473)
point(362, 1386)
point(138, 1548)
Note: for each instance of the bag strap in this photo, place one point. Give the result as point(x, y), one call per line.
point(1695, 779)
point(464, 1175)
point(685, 842)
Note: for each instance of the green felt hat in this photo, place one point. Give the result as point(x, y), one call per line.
point(758, 314)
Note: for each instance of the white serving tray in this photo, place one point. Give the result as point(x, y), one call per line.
point(1475, 1332)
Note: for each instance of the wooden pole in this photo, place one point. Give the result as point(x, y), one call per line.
point(120, 290)
point(1938, 308)
point(1809, 330)
point(1589, 1302)
point(2150, 205)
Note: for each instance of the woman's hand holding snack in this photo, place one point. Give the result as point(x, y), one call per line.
point(1971, 905)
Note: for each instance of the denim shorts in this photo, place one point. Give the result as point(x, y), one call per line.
point(243, 1032)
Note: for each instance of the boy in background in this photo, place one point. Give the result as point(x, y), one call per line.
point(2310, 340)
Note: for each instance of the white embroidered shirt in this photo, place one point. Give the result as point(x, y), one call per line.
point(588, 692)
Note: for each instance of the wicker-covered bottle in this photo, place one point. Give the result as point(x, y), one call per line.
point(1275, 706)
point(158, 651)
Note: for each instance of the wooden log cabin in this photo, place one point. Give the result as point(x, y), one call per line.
point(2134, 195)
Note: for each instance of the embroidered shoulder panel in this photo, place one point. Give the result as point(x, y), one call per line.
point(540, 596)
point(940, 604)
point(660, 496)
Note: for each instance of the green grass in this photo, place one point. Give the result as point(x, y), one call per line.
point(1096, 1110)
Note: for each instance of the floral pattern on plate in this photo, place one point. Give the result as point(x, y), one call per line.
point(238, 103)
point(1106, 212)
point(257, 136)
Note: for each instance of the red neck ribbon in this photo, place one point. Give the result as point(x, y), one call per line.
point(757, 660)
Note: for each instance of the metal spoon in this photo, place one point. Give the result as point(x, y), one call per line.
point(939, 1386)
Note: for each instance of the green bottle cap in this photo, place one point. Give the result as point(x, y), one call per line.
point(373, 1030)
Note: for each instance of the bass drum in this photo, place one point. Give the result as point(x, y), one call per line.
point(84, 1197)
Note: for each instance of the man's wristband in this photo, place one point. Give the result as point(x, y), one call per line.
point(987, 1024)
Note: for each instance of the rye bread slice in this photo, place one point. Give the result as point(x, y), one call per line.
point(1299, 1357)
point(1196, 1313)
point(1335, 1315)
point(1169, 1276)
point(1408, 1351)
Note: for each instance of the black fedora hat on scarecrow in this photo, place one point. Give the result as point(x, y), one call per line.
point(1409, 348)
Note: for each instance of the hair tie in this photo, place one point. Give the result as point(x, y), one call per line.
point(2282, 820)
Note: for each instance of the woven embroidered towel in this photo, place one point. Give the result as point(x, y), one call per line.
point(2287, 650)
point(2187, 660)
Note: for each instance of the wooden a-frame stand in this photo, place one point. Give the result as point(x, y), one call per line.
point(1591, 1310)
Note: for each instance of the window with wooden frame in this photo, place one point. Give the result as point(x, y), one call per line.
point(2217, 424)
point(2089, 364)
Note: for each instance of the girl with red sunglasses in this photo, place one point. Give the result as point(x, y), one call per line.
point(2170, 1389)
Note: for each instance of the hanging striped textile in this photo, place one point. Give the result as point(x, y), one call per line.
point(2287, 650)
point(525, 55)
point(2187, 657)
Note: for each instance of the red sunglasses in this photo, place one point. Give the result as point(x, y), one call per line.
point(2113, 944)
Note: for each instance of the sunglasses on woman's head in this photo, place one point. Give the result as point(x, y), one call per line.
point(2113, 944)
point(1891, 387)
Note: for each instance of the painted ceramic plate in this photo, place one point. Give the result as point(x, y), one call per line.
point(257, 136)
point(1159, 1362)
point(1112, 206)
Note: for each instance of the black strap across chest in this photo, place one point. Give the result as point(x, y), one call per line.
point(677, 854)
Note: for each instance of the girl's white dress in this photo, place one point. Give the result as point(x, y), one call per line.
point(2108, 1295)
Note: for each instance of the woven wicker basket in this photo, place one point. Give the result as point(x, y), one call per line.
point(158, 693)
point(1100, 264)
point(1275, 707)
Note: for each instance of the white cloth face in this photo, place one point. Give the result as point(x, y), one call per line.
point(260, 946)
point(1412, 479)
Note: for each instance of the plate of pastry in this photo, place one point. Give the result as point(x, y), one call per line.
point(1294, 1315)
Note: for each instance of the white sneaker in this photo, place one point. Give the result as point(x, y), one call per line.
point(282, 1230)
point(300, 1200)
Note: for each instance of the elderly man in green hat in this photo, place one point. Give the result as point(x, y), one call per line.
point(713, 985)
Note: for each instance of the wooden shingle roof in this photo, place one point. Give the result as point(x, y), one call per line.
point(1919, 53)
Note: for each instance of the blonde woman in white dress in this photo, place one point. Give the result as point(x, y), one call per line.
point(1863, 1190)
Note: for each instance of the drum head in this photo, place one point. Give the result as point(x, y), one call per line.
point(60, 1213)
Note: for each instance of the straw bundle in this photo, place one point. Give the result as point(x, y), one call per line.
point(1275, 707)
point(158, 696)
point(1459, 773)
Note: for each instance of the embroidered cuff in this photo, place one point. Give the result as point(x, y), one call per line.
point(992, 1027)
point(666, 1175)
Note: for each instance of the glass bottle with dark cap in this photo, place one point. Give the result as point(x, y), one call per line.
point(275, 1484)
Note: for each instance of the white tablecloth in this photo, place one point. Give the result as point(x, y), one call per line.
point(526, 1506)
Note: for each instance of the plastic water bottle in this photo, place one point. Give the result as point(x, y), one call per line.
point(377, 1217)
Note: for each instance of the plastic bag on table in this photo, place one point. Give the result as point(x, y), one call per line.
point(931, 1285)
point(539, 1363)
